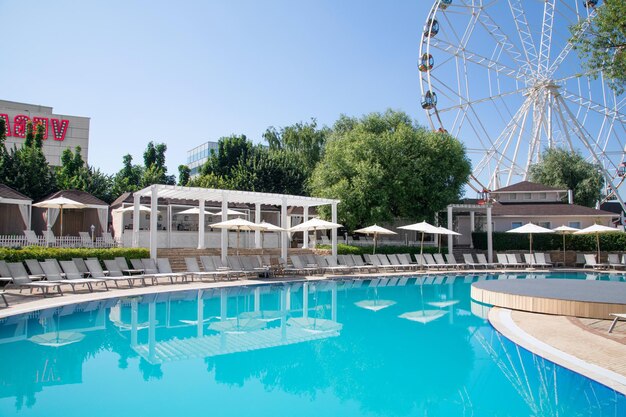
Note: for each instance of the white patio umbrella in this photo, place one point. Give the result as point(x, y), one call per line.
point(564, 230)
point(60, 203)
point(269, 227)
point(424, 228)
point(314, 224)
point(530, 229)
point(375, 230)
point(238, 225)
point(196, 210)
point(445, 231)
point(132, 208)
point(230, 212)
point(597, 229)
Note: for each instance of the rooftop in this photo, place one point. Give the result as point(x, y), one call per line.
point(527, 186)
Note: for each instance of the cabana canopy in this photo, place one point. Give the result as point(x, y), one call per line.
point(203, 195)
point(10, 196)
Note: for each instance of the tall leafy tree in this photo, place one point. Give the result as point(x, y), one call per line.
point(155, 171)
point(568, 169)
point(302, 141)
point(383, 166)
point(231, 151)
point(184, 174)
point(75, 174)
point(601, 42)
point(28, 170)
point(128, 178)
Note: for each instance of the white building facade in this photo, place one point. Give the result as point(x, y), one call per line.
point(61, 131)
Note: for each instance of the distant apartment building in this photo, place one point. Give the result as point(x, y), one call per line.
point(197, 156)
point(60, 131)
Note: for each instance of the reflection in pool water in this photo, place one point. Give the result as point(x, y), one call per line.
point(378, 347)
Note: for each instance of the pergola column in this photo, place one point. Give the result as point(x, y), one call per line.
point(489, 237)
point(257, 220)
point(154, 217)
point(472, 228)
point(224, 241)
point(305, 233)
point(201, 244)
point(283, 234)
point(333, 232)
point(450, 241)
point(136, 219)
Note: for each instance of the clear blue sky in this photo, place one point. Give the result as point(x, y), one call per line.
point(190, 71)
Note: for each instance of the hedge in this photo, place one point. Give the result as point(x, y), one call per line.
point(65, 254)
point(343, 249)
point(502, 241)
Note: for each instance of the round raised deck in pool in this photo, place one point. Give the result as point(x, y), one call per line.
point(591, 299)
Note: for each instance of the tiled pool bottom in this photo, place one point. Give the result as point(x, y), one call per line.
point(392, 347)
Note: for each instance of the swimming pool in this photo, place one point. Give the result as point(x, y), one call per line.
point(390, 347)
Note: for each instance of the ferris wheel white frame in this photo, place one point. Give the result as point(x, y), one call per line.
point(546, 104)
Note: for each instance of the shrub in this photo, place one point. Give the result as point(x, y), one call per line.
point(502, 241)
point(65, 254)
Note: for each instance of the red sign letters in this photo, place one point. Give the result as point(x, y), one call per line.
point(59, 127)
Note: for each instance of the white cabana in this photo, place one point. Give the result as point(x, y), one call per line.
point(226, 197)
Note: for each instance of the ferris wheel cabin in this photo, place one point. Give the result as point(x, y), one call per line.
point(430, 100)
point(426, 63)
point(444, 4)
point(432, 28)
point(590, 3)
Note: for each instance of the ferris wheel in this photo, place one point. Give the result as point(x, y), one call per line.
point(502, 77)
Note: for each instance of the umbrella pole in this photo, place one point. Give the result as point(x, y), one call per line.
point(61, 221)
point(564, 250)
point(598, 245)
point(237, 241)
point(531, 243)
point(374, 244)
point(422, 252)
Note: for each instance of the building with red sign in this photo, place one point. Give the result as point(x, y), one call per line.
point(61, 131)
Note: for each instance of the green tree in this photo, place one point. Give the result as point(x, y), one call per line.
point(383, 166)
point(74, 174)
point(601, 42)
point(155, 171)
point(27, 170)
point(240, 165)
point(184, 173)
point(568, 169)
point(302, 141)
point(128, 178)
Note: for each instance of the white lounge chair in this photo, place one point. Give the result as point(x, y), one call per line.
point(617, 317)
point(469, 261)
point(590, 261)
point(85, 240)
point(21, 280)
point(480, 257)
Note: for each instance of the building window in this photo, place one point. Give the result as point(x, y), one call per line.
point(543, 196)
point(528, 196)
point(544, 224)
point(574, 224)
point(515, 225)
point(512, 196)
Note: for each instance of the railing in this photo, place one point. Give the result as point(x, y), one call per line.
point(64, 242)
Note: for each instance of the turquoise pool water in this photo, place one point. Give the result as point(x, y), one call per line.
point(342, 348)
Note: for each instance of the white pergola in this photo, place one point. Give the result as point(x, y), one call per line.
point(202, 195)
point(473, 208)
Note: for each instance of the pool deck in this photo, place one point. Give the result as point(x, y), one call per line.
point(581, 344)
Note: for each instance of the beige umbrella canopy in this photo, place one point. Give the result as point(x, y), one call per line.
point(597, 229)
point(230, 212)
point(60, 203)
point(269, 227)
point(530, 229)
point(314, 224)
point(375, 230)
point(196, 210)
point(564, 230)
point(238, 225)
point(424, 228)
point(132, 208)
